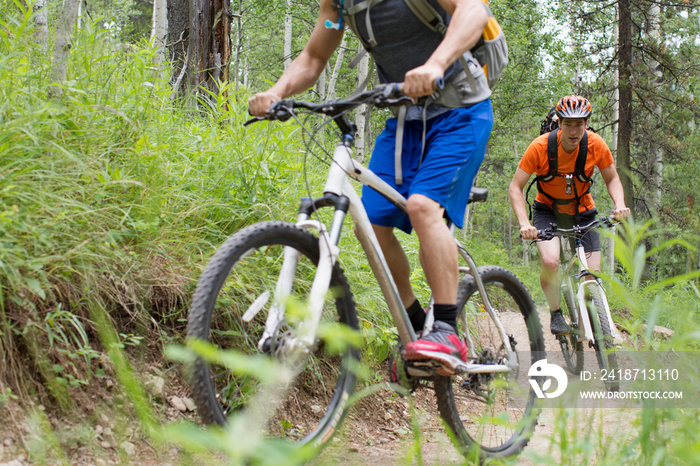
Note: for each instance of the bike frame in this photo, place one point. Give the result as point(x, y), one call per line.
point(340, 192)
point(579, 264)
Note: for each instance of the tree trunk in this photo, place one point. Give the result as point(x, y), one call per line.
point(209, 48)
point(625, 84)
point(656, 151)
point(321, 84)
point(613, 148)
point(178, 38)
point(160, 29)
point(331, 94)
point(288, 35)
point(79, 20)
point(362, 112)
point(239, 49)
point(246, 69)
point(41, 27)
point(62, 46)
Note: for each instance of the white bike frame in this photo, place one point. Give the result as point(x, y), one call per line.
point(337, 183)
point(585, 332)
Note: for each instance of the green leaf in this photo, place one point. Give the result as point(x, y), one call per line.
point(35, 286)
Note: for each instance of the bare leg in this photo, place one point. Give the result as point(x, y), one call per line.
point(438, 254)
point(549, 275)
point(438, 250)
point(593, 259)
point(397, 261)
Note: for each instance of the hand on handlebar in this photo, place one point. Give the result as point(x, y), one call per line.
point(528, 232)
point(423, 80)
point(281, 110)
point(259, 104)
point(621, 213)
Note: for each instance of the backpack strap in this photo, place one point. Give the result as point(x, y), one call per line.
point(398, 146)
point(552, 157)
point(427, 14)
point(349, 8)
point(580, 170)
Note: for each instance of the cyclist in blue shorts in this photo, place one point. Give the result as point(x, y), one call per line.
point(441, 145)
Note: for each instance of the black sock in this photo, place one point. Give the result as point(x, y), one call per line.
point(416, 314)
point(446, 313)
point(554, 310)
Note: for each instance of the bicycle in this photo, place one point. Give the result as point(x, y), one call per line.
point(585, 304)
point(276, 265)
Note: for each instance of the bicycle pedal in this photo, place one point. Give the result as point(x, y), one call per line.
point(421, 368)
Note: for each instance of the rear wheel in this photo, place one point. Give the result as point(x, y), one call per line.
point(493, 414)
point(242, 277)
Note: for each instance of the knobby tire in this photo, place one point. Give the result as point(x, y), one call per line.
point(604, 343)
point(468, 403)
point(245, 266)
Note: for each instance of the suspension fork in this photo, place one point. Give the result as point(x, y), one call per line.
point(328, 254)
point(581, 297)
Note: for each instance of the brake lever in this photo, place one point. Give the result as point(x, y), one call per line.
point(608, 221)
point(281, 110)
point(404, 99)
point(254, 120)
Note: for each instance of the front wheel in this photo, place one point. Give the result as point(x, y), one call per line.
point(571, 347)
point(604, 343)
point(493, 414)
point(240, 279)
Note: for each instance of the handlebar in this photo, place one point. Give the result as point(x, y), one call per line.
point(383, 95)
point(549, 233)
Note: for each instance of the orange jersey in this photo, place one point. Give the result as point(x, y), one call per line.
point(535, 161)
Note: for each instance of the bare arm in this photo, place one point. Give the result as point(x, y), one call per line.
point(303, 72)
point(466, 27)
point(614, 185)
point(517, 200)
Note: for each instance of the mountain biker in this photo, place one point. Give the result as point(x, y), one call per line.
point(565, 199)
point(442, 148)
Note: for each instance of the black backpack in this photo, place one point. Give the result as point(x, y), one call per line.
point(550, 122)
point(553, 161)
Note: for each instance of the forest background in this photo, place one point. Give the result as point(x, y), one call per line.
point(124, 163)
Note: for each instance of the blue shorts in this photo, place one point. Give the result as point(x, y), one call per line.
point(455, 144)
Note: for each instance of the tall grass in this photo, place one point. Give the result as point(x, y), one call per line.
point(114, 193)
point(647, 434)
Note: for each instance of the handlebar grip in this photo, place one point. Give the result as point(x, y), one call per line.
point(545, 235)
point(438, 85)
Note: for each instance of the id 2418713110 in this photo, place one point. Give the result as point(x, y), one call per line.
point(631, 374)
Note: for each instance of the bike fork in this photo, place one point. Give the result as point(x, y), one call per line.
point(585, 319)
point(328, 254)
